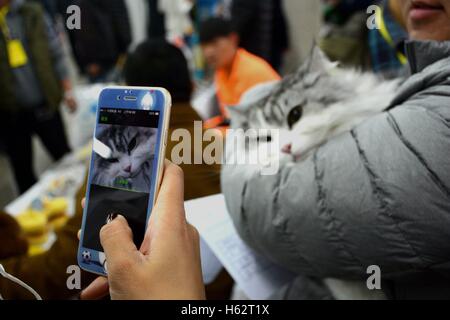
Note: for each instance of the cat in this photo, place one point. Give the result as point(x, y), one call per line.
point(129, 164)
point(317, 103)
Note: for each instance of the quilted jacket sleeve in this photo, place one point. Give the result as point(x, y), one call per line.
point(377, 195)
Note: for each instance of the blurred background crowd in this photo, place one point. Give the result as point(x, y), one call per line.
point(113, 29)
point(279, 32)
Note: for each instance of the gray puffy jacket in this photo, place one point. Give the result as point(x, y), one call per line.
point(379, 195)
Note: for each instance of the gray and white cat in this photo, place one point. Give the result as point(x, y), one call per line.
point(317, 103)
point(130, 158)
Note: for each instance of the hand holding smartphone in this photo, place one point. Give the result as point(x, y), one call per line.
point(166, 266)
point(126, 166)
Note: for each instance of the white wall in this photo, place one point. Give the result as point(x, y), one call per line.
point(304, 18)
point(138, 13)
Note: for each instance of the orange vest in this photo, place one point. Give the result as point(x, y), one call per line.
point(247, 71)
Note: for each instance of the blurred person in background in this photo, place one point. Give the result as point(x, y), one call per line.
point(386, 41)
point(236, 69)
point(375, 196)
point(101, 45)
point(343, 36)
point(157, 21)
point(262, 28)
point(178, 22)
point(339, 11)
point(50, 7)
point(346, 37)
point(33, 82)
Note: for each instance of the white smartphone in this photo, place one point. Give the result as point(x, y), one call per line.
point(126, 168)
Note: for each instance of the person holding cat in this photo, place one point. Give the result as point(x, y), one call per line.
point(376, 194)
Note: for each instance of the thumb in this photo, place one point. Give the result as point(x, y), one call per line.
point(117, 241)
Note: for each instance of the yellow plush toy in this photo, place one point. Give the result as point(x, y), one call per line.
point(34, 226)
point(55, 209)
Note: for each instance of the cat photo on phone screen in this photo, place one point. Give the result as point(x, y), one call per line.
point(129, 164)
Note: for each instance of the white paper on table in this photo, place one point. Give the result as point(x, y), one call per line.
point(255, 275)
point(76, 172)
point(211, 266)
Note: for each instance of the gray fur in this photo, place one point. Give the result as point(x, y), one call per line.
point(332, 101)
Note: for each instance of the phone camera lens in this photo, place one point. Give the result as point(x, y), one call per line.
point(118, 97)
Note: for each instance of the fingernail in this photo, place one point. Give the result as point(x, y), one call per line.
point(111, 217)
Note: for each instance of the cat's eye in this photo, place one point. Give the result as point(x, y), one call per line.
point(132, 145)
point(113, 160)
point(294, 116)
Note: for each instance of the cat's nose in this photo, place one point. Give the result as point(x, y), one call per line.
point(128, 168)
point(287, 148)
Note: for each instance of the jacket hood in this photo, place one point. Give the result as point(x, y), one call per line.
point(430, 65)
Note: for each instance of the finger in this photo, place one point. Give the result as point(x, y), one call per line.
point(169, 207)
point(195, 236)
point(98, 289)
point(171, 195)
point(79, 234)
point(117, 241)
point(83, 203)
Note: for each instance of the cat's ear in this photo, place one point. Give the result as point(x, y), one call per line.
point(251, 99)
point(258, 93)
point(236, 111)
point(238, 116)
point(318, 62)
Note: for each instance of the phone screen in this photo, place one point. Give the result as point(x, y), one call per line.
point(122, 175)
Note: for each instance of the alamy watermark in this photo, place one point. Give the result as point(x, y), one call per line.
point(73, 21)
point(242, 147)
point(373, 11)
point(254, 147)
point(259, 149)
point(373, 282)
